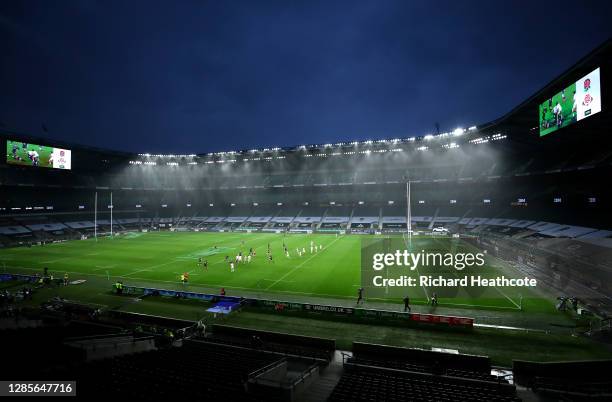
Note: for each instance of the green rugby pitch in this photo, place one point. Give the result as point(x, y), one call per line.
point(333, 272)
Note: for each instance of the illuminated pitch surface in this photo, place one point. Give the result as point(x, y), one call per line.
point(158, 259)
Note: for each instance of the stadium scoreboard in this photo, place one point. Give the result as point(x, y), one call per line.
point(578, 101)
point(26, 154)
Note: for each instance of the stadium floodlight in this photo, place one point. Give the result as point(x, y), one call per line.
point(472, 128)
point(390, 202)
point(458, 131)
point(255, 204)
point(421, 201)
point(211, 205)
point(232, 204)
point(279, 204)
point(332, 203)
point(360, 202)
point(306, 203)
point(422, 148)
point(188, 205)
point(428, 137)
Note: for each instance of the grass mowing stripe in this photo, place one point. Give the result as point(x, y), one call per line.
point(300, 265)
point(418, 273)
point(496, 288)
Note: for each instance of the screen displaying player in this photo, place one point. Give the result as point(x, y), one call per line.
point(574, 103)
point(25, 154)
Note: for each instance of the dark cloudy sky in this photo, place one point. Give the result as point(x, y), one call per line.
point(181, 76)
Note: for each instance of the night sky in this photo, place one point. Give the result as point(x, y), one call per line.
point(191, 77)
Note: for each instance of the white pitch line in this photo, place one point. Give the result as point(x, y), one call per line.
point(58, 259)
point(272, 280)
point(135, 272)
point(507, 297)
point(308, 259)
point(495, 287)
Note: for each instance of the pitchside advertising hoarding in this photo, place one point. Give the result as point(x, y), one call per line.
point(25, 154)
point(578, 101)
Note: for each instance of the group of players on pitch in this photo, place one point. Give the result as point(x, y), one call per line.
point(240, 258)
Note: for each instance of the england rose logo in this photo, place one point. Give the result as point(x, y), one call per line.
point(587, 100)
point(587, 84)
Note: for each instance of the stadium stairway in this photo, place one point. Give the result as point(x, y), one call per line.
point(328, 380)
point(317, 226)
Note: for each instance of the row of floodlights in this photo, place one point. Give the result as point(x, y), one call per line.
point(167, 155)
point(450, 145)
point(143, 163)
point(457, 132)
point(484, 140)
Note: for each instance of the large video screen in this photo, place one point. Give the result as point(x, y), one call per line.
point(578, 101)
point(24, 154)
